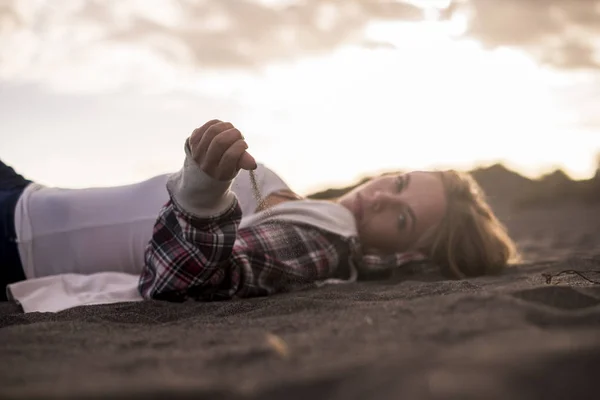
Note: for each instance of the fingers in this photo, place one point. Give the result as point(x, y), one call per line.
point(220, 143)
point(220, 150)
point(198, 133)
point(206, 137)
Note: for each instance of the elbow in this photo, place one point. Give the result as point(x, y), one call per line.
point(149, 288)
point(147, 285)
point(149, 291)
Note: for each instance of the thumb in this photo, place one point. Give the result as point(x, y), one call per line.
point(247, 162)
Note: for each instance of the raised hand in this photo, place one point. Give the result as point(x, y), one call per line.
point(219, 149)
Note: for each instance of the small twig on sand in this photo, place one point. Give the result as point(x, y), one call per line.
point(572, 272)
point(278, 345)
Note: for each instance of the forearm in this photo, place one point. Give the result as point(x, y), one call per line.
point(193, 236)
point(187, 252)
point(215, 261)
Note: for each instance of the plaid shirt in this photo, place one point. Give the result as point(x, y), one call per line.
point(212, 259)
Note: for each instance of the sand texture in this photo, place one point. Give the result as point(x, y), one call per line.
point(416, 336)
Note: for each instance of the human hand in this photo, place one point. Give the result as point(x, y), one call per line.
point(219, 149)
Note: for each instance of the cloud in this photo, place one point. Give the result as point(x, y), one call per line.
point(103, 45)
point(42, 38)
point(561, 33)
point(243, 33)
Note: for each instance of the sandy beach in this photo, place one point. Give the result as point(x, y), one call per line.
point(102, 102)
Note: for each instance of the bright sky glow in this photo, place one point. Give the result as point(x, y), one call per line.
point(115, 114)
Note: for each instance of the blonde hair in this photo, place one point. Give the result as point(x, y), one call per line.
point(470, 240)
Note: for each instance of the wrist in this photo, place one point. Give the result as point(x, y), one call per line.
point(198, 193)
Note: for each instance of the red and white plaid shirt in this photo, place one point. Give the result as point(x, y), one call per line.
point(212, 259)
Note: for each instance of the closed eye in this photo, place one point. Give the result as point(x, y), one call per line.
point(402, 222)
point(401, 183)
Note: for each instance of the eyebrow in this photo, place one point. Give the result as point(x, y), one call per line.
point(411, 213)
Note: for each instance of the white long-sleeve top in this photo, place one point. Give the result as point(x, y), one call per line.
point(86, 231)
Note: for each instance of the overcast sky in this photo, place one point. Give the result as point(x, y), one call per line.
point(105, 92)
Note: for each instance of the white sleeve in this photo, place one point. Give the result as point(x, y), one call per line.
point(196, 192)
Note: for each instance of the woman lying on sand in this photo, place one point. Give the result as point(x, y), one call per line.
point(202, 248)
point(86, 231)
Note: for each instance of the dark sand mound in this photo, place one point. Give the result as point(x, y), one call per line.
point(415, 336)
point(496, 338)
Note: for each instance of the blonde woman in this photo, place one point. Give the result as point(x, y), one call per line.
point(203, 249)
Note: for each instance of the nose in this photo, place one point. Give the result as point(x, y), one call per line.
point(382, 200)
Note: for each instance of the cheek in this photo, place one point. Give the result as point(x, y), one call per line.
point(380, 234)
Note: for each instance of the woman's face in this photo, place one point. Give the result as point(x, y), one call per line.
point(393, 212)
